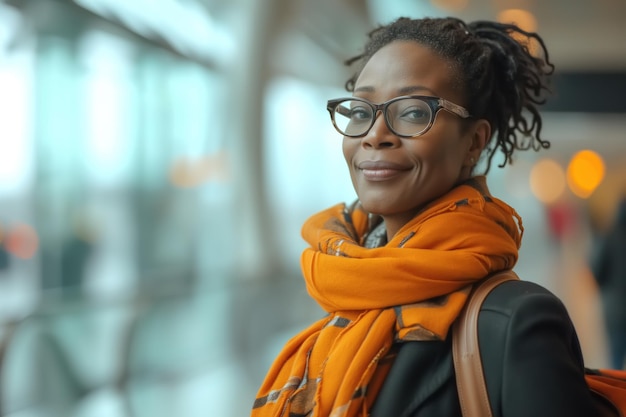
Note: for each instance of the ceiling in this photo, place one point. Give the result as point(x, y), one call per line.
point(582, 35)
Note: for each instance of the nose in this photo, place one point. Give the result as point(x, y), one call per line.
point(379, 136)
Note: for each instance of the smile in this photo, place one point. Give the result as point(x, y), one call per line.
point(380, 170)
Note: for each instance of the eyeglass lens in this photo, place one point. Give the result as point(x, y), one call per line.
point(406, 117)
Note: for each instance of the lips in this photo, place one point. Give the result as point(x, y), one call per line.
point(381, 170)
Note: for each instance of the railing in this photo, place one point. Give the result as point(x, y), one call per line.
point(179, 354)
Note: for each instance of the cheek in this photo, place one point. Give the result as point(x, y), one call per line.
point(443, 156)
point(431, 154)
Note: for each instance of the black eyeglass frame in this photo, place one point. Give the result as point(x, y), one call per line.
point(435, 104)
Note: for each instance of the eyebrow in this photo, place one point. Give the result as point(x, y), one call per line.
point(403, 91)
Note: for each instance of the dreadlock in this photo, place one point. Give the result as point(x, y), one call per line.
point(501, 75)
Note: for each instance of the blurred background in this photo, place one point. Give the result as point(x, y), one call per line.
point(155, 170)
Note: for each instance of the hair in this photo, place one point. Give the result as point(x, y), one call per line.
point(502, 77)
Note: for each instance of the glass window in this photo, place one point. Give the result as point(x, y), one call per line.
point(306, 171)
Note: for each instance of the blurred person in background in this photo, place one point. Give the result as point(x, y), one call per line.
point(609, 270)
point(430, 99)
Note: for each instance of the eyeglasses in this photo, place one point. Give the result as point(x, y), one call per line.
point(405, 116)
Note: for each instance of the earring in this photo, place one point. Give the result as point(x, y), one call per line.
point(472, 160)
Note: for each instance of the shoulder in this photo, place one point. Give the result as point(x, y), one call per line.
point(519, 314)
point(530, 354)
point(525, 330)
point(514, 297)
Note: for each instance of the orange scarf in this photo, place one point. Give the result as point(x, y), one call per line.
point(410, 289)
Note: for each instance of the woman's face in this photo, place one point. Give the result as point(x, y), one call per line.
point(395, 177)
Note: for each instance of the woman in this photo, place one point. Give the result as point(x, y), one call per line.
point(609, 270)
point(430, 98)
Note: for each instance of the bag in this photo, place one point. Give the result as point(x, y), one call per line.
point(608, 386)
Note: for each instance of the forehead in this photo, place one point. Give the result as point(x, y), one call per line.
point(403, 65)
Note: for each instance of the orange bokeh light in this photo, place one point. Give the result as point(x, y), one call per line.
point(522, 18)
point(21, 241)
point(526, 21)
point(450, 5)
point(547, 181)
point(187, 172)
point(585, 172)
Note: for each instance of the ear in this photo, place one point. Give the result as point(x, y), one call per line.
point(480, 133)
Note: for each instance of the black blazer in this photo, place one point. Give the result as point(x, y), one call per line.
point(531, 358)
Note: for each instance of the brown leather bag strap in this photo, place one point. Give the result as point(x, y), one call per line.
point(468, 367)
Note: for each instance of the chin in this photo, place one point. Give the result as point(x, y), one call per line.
point(381, 208)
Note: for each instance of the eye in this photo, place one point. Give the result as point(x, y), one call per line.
point(354, 111)
point(415, 114)
point(360, 113)
point(413, 111)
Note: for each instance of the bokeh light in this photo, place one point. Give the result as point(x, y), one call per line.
point(22, 241)
point(526, 21)
point(450, 5)
point(585, 172)
point(187, 173)
point(522, 18)
point(547, 181)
